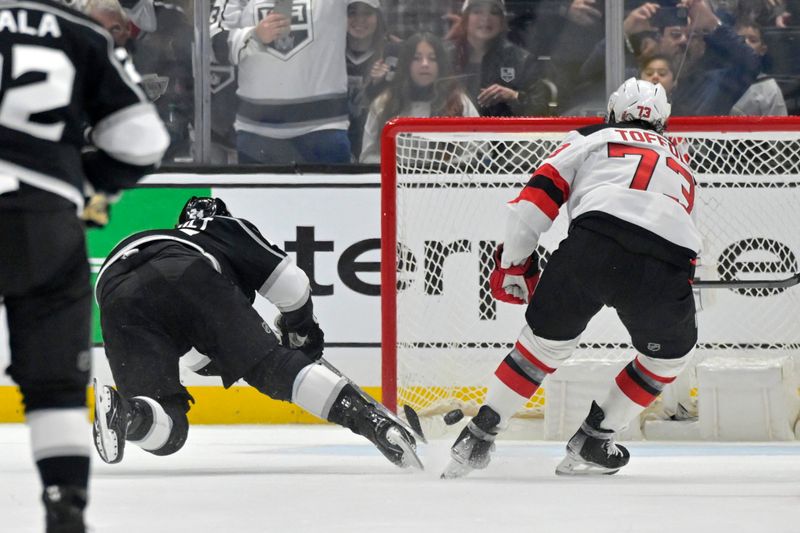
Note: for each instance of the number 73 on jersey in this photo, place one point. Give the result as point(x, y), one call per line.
point(645, 170)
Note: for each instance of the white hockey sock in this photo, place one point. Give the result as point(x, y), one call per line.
point(59, 433)
point(503, 400)
point(636, 387)
point(316, 388)
point(158, 434)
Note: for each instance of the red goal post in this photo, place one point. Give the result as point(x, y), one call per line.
point(444, 184)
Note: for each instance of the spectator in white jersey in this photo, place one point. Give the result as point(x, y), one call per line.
point(292, 80)
point(631, 246)
point(76, 79)
point(423, 86)
point(163, 292)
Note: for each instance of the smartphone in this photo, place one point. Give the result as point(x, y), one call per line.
point(284, 7)
point(391, 53)
point(671, 16)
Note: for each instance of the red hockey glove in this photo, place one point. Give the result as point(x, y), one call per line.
point(515, 284)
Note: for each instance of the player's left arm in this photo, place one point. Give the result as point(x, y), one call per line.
point(285, 285)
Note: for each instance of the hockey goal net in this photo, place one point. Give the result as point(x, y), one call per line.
point(445, 183)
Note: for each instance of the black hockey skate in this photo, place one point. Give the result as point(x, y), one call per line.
point(592, 450)
point(358, 413)
point(64, 509)
point(111, 420)
point(473, 447)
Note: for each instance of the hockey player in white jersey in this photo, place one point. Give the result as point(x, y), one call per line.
point(631, 245)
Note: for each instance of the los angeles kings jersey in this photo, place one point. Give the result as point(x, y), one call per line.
point(59, 73)
point(617, 171)
point(237, 250)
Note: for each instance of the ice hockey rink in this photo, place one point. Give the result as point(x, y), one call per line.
point(248, 479)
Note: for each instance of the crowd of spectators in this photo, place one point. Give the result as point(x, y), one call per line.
point(309, 81)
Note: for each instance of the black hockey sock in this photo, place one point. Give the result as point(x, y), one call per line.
point(70, 470)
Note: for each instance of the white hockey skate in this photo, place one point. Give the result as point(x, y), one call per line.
point(473, 447)
point(592, 450)
point(110, 423)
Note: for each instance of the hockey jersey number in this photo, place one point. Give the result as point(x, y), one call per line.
point(20, 103)
point(648, 159)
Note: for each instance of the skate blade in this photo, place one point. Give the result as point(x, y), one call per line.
point(105, 441)
point(410, 457)
point(574, 465)
point(455, 469)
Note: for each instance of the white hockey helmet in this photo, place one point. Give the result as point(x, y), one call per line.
point(639, 100)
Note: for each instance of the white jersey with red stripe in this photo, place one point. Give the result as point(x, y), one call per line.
point(622, 170)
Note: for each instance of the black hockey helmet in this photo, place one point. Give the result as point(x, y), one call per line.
point(202, 207)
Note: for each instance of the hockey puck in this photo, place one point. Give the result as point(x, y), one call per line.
point(453, 417)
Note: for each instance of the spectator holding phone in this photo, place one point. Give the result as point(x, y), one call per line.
point(715, 68)
point(292, 80)
point(422, 87)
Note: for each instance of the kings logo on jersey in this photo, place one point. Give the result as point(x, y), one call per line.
point(302, 29)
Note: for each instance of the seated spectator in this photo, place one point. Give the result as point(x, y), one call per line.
point(657, 68)
point(292, 82)
point(422, 87)
point(501, 78)
point(764, 97)
point(366, 70)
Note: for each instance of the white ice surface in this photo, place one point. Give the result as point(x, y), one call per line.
point(248, 479)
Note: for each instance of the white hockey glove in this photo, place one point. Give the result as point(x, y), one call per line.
point(306, 337)
point(514, 284)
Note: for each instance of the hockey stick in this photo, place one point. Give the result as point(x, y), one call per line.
point(746, 284)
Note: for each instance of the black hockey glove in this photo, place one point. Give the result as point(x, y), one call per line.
point(299, 330)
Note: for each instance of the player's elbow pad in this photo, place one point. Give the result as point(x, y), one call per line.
point(134, 135)
point(290, 291)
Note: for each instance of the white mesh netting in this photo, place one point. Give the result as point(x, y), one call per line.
point(450, 196)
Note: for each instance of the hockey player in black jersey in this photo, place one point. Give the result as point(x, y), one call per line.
point(631, 246)
point(59, 72)
point(163, 292)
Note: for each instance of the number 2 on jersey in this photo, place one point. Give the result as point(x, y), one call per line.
point(55, 90)
point(648, 159)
